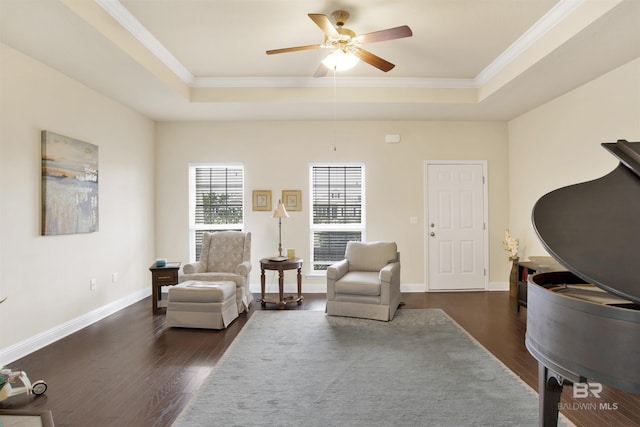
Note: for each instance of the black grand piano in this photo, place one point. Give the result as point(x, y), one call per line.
point(583, 325)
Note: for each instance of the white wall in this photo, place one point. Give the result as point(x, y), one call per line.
point(558, 143)
point(277, 155)
point(46, 278)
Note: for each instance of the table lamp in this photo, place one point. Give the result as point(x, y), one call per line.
point(280, 212)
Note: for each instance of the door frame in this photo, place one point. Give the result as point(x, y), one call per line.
point(485, 213)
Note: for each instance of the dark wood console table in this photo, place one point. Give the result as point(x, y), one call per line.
point(162, 276)
point(281, 266)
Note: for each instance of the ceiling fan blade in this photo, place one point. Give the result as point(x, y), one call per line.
point(372, 59)
point(388, 34)
point(321, 71)
point(325, 24)
point(294, 49)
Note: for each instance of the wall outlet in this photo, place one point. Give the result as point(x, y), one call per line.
point(92, 284)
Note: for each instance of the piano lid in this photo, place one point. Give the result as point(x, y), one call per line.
point(593, 228)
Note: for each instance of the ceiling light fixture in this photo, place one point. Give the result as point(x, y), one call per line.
point(340, 60)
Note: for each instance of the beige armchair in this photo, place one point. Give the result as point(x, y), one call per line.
point(366, 283)
point(225, 256)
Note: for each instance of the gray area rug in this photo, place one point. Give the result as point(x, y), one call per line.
point(303, 368)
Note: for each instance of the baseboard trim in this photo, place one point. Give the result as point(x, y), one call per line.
point(498, 286)
point(36, 342)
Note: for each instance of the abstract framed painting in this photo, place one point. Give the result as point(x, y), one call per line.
point(69, 185)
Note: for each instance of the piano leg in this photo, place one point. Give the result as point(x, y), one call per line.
point(549, 391)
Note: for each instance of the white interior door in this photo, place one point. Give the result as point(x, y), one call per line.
point(456, 226)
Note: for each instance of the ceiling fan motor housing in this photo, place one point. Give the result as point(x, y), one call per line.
point(346, 35)
point(340, 17)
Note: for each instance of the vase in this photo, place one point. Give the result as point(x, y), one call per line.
point(513, 278)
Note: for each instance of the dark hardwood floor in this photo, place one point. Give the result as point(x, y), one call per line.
point(129, 370)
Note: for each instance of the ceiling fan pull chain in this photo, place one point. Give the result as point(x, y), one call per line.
point(335, 114)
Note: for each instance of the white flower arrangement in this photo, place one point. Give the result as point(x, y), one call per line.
point(510, 244)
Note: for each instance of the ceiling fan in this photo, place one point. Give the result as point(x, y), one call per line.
point(346, 43)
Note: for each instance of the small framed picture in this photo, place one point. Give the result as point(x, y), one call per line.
point(261, 200)
point(292, 200)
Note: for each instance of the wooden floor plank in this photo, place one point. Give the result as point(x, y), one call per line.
point(129, 370)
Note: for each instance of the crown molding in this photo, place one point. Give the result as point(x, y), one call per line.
point(144, 36)
point(552, 18)
point(363, 82)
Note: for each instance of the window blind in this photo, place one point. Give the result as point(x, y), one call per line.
point(217, 194)
point(329, 247)
point(337, 194)
point(337, 211)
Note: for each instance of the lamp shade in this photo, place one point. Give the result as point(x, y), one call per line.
point(280, 211)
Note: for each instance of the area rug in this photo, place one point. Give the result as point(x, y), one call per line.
point(293, 368)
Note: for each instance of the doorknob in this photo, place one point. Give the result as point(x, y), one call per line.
point(432, 234)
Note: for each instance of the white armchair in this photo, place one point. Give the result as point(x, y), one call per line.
point(366, 283)
point(225, 256)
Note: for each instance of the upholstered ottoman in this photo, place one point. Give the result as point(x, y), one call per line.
point(207, 305)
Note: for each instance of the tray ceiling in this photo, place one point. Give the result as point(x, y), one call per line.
point(205, 59)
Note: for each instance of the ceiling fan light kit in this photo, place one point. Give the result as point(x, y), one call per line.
point(347, 44)
point(339, 60)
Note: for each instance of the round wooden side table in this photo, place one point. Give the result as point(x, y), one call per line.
point(281, 266)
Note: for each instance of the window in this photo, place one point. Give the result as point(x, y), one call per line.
point(216, 201)
point(337, 211)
